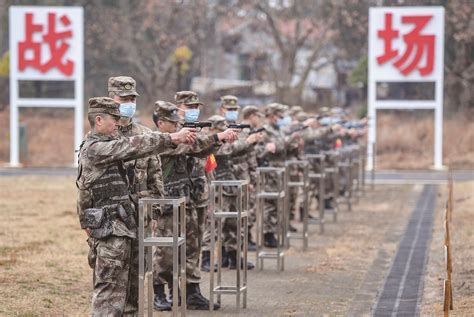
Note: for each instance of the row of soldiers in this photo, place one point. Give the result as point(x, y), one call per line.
point(121, 161)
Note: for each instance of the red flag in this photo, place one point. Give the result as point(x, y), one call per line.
point(211, 163)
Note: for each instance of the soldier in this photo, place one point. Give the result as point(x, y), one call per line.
point(227, 157)
point(144, 174)
point(177, 182)
point(246, 167)
point(104, 206)
point(272, 152)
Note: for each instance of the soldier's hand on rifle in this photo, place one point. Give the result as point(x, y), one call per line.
point(296, 136)
point(229, 135)
point(311, 122)
point(270, 147)
point(185, 135)
point(254, 138)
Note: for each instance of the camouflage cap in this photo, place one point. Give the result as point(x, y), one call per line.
point(123, 86)
point(302, 116)
point(325, 111)
point(104, 105)
point(166, 111)
point(295, 110)
point(274, 108)
point(218, 122)
point(187, 98)
point(230, 102)
point(250, 110)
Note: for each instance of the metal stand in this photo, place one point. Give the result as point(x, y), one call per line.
point(317, 175)
point(332, 172)
point(241, 215)
point(345, 164)
point(355, 165)
point(277, 194)
point(302, 166)
point(177, 242)
point(363, 160)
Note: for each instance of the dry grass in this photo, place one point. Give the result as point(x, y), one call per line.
point(462, 241)
point(43, 252)
point(403, 141)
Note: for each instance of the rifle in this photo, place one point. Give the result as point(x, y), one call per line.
point(257, 131)
point(197, 125)
point(238, 126)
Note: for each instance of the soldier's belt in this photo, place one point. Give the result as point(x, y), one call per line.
point(239, 159)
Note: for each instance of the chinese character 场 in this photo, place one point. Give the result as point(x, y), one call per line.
point(56, 42)
point(416, 44)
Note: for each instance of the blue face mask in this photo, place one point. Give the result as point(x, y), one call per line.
point(231, 115)
point(325, 121)
point(283, 121)
point(191, 115)
point(128, 109)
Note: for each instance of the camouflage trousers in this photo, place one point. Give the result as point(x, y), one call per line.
point(293, 194)
point(112, 266)
point(163, 258)
point(270, 214)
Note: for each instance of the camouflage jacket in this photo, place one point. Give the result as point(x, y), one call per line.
point(179, 163)
point(99, 154)
point(273, 135)
point(144, 174)
point(244, 163)
point(224, 158)
point(317, 140)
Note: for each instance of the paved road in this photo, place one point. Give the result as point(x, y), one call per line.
point(401, 293)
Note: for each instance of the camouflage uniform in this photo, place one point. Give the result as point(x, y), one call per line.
point(294, 152)
point(245, 167)
point(144, 176)
point(317, 140)
point(224, 171)
point(277, 159)
point(177, 182)
point(103, 184)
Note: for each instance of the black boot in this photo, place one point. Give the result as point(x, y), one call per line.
point(328, 203)
point(206, 262)
point(269, 240)
point(233, 261)
point(160, 303)
point(195, 300)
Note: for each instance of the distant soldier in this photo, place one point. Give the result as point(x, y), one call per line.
point(104, 206)
point(272, 152)
point(224, 171)
point(144, 174)
point(177, 182)
point(247, 169)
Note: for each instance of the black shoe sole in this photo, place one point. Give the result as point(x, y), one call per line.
point(194, 307)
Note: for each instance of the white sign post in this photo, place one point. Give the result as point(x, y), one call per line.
point(46, 43)
point(406, 45)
